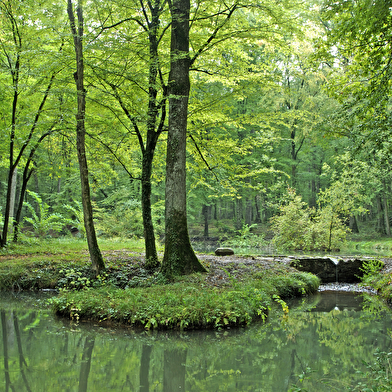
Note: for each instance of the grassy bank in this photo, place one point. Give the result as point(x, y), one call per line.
point(189, 302)
point(230, 294)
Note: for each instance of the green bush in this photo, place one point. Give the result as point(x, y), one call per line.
point(119, 216)
point(301, 227)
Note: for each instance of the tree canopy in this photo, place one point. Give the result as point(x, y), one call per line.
point(275, 96)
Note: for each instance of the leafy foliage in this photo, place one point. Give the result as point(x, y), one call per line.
point(301, 227)
point(378, 376)
point(43, 222)
point(76, 219)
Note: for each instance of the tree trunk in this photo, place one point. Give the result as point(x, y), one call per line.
point(205, 211)
point(4, 237)
point(380, 224)
point(353, 224)
point(386, 212)
point(238, 214)
point(25, 179)
point(179, 257)
point(149, 235)
point(12, 198)
point(257, 207)
point(95, 253)
point(152, 137)
point(248, 212)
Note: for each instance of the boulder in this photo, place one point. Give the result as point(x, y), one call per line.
point(224, 252)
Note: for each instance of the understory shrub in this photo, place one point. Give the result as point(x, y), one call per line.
point(300, 227)
point(44, 221)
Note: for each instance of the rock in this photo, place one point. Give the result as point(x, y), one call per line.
point(330, 269)
point(224, 252)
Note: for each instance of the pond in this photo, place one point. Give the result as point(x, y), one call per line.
point(268, 250)
point(326, 336)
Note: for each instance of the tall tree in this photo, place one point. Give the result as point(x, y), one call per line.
point(124, 72)
point(179, 257)
point(26, 67)
point(77, 28)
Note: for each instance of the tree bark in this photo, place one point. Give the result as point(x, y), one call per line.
point(179, 257)
point(380, 223)
point(386, 212)
point(77, 32)
point(205, 213)
point(153, 134)
point(238, 214)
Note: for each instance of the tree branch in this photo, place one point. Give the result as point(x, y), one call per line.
point(202, 157)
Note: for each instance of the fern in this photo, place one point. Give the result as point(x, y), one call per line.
point(43, 221)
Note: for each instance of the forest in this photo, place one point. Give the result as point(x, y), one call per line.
point(175, 119)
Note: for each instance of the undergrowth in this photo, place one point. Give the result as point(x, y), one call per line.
point(187, 304)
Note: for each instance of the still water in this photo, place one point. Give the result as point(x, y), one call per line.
point(328, 335)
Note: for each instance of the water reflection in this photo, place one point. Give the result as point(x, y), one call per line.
point(330, 333)
point(270, 250)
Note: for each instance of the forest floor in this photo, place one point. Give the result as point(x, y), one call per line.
point(235, 290)
point(222, 270)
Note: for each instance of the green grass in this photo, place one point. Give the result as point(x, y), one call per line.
point(126, 293)
point(186, 304)
point(70, 244)
point(37, 265)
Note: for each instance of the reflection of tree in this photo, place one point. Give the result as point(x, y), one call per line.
point(22, 361)
point(266, 357)
point(86, 363)
point(5, 350)
point(145, 368)
point(174, 370)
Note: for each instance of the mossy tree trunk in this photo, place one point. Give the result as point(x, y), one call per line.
point(77, 32)
point(153, 133)
point(179, 257)
point(156, 116)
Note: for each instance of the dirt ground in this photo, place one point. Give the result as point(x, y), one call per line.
point(221, 269)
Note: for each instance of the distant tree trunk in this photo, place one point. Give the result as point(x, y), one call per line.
point(179, 257)
point(205, 211)
point(248, 212)
point(77, 32)
point(353, 224)
point(257, 207)
point(380, 224)
point(238, 214)
point(386, 212)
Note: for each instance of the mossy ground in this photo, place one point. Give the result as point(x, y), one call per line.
point(233, 292)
